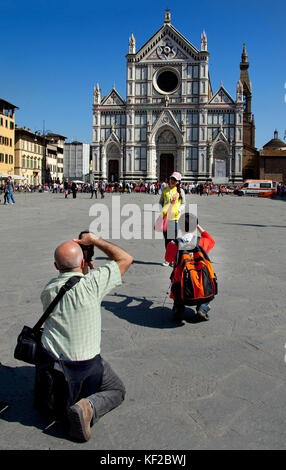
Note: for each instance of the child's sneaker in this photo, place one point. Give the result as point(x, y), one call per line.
point(202, 314)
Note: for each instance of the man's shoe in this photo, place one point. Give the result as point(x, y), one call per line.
point(165, 263)
point(80, 416)
point(202, 314)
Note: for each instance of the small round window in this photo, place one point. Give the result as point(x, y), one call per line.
point(167, 81)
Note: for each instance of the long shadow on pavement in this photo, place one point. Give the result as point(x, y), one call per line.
point(143, 314)
point(254, 225)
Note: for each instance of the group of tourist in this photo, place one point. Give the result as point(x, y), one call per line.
point(118, 187)
point(97, 188)
point(157, 187)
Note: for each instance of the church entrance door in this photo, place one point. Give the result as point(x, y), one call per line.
point(220, 168)
point(113, 171)
point(166, 166)
point(221, 163)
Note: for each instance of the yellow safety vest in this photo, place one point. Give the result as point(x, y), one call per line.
point(169, 196)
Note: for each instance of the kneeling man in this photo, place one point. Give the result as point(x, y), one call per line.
point(73, 381)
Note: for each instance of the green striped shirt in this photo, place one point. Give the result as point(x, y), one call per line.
point(73, 329)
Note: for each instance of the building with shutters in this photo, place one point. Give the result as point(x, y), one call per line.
point(29, 155)
point(39, 157)
point(7, 137)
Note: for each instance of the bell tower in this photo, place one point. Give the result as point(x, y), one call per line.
point(250, 167)
point(247, 87)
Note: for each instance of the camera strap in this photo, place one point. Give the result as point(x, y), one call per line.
point(72, 281)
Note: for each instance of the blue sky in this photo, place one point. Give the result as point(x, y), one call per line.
point(54, 51)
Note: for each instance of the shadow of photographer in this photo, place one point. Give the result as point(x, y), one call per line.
point(17, 401)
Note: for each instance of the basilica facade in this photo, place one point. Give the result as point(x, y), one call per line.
point(171, 120)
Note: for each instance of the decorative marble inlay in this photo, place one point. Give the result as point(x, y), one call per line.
point(167, 50)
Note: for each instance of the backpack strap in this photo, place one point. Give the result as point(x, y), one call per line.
point(178, 256)
point(176, 259)
point(200, 248)
point(176, 241)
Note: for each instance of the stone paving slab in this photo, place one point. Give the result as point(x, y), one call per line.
point(203, 385)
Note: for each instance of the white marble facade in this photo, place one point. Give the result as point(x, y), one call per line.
point(170, 119)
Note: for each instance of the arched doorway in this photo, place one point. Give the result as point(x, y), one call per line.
point(220, 172)
point(166, 146)
point(166, 166)
point(113, 171)
point(113, 163)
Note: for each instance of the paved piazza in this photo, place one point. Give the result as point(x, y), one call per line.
point(203, 385)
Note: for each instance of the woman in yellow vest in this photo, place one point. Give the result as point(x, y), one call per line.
point(173, 202)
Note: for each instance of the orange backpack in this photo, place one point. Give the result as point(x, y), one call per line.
point(194, 271)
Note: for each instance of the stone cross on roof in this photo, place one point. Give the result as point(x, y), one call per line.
point(167, 16)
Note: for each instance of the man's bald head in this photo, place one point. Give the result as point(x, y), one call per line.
point(68, 256)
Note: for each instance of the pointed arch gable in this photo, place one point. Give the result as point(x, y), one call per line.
point(221, 96)
point(112, 147)
point(113, 99)
point(167, 30)
point(112, 139)
point(166, 121)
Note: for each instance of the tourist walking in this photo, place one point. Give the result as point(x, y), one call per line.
point(96, 189)
point(92, 189)
point(66, 188)
point(6, 191)
point(11, 190)
point(74, 189)
point(102, 189)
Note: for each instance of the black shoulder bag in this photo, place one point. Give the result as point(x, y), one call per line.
point(30, 338)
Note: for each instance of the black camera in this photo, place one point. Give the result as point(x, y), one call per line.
point(88, 250)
